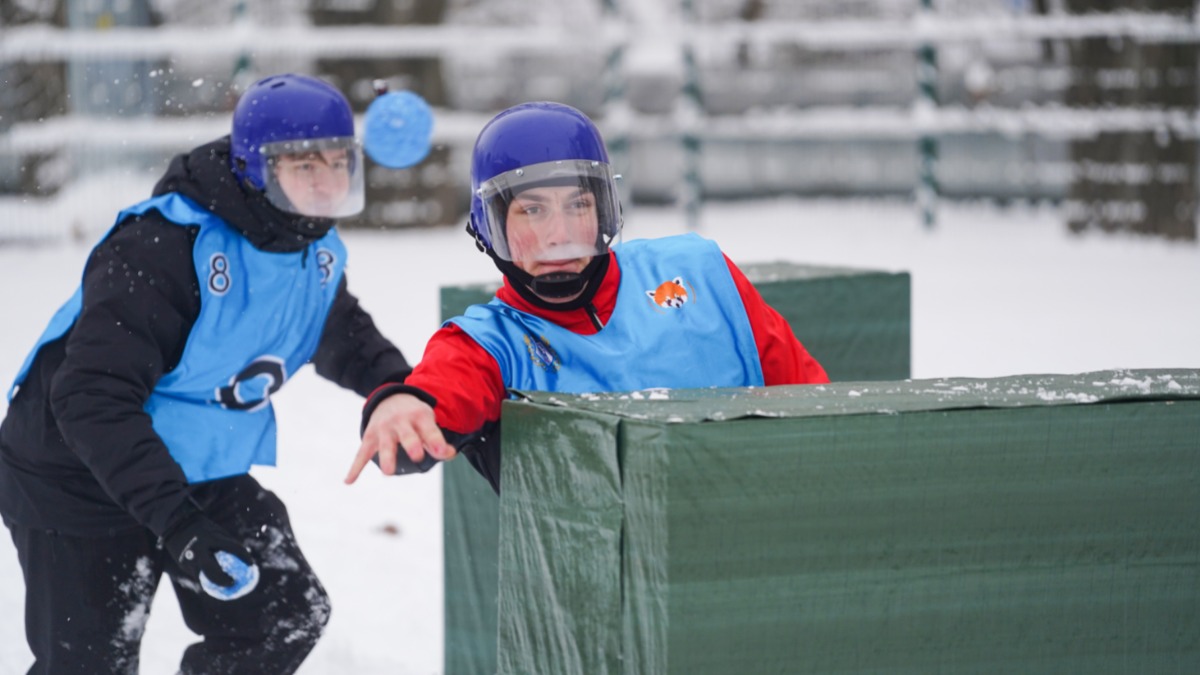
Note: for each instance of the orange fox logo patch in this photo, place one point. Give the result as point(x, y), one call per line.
point(670, 294)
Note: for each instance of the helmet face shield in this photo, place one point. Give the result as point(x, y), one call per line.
point(314, 177)
point(553, 211)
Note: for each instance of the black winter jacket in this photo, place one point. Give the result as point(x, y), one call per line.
point(78, 454)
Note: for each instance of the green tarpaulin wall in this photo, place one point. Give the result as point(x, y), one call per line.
point(1034, 524)
point(855, 322)
point(470, 523)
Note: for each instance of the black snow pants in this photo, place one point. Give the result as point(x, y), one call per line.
point(87, 599)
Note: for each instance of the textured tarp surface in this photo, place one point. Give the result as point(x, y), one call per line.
point(561, 538)
point(855, 322)
point(1037, 524)
point(470, 520)
point(470, 515)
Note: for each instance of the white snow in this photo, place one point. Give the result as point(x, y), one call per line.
point(135, 622)
point(995, 292)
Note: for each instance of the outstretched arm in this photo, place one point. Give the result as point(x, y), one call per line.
point(401, 420)
point(458, 378)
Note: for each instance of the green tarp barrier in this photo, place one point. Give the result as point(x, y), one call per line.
point(1033, 524)
point(855, 322)
point(470, 523)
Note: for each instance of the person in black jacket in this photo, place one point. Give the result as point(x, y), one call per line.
point(132, 426)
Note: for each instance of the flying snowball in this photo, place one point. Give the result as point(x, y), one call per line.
point(398, 128)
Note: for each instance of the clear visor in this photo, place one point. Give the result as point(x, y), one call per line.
point(318, 177)
point(553, 211)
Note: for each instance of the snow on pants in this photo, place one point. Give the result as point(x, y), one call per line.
point(87, 599)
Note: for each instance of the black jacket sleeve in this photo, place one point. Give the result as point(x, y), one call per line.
point(140, 300)
point(352, 352)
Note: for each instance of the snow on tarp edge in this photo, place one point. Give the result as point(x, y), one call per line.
point(884, 397)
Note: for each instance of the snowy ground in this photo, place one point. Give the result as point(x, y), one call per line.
point(994, 293)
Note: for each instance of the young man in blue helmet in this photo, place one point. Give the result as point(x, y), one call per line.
point(134, 422)
point(573, 315)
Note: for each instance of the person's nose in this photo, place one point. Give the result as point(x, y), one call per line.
point(556, 229)
point(322, 178)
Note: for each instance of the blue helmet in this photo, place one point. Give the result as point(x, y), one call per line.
point(296, 116)
point(536, 144)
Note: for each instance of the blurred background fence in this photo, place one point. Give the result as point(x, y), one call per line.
point(1087, 105)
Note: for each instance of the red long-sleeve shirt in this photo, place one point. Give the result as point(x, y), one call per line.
point(465, 379)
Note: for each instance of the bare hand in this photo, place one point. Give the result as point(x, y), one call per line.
point(400, 421)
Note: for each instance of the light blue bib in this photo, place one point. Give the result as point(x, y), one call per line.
point(679, 322)
point(261, 317)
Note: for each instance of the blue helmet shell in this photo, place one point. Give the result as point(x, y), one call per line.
point(284, 108)
point(525, 135)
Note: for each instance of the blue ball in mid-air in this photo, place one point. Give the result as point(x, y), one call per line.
point(245, 578)
point(397, 129)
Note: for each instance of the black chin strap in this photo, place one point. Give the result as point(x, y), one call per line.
point(556, 284)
